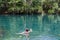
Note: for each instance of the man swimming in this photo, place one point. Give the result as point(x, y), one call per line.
point(26, 33)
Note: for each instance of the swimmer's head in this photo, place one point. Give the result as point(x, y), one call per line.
point(27, 30)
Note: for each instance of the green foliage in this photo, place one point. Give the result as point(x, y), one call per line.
point(14, 8)
point(55, 5)
point(50, 11)
point(14, 5)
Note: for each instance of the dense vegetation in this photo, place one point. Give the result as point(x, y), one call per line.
point(29, 6)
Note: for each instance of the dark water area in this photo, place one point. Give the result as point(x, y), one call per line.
point(45, 27)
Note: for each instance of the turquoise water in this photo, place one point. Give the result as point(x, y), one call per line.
point(45, 27)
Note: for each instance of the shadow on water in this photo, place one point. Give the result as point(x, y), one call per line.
point(45, 19)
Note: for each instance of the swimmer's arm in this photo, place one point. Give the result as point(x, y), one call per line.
point(30, 30)
point(20, 33)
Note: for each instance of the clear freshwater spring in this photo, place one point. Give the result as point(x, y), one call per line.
point(45, 27)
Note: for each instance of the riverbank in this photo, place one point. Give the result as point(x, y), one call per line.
point(27, 13)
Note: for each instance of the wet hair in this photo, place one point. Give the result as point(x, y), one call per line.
point(27, 30)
